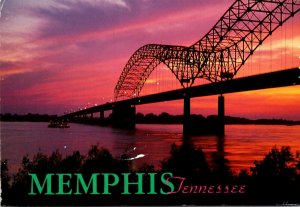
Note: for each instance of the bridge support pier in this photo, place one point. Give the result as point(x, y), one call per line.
point(101, 118)
point(186, 113)
point(221, 116)
point(123, 116)
point(101, 115)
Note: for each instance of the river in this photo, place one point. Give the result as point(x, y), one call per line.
point(241, 146)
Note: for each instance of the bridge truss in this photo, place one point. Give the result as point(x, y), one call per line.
point(218, 55)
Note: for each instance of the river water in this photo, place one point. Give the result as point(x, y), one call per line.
point(241, 146)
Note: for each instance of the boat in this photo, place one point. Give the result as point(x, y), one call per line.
point(58, 124)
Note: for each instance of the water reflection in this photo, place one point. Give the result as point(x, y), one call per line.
point(242, 145)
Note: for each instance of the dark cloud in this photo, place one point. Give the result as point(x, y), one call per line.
point(83, 17)
point(79, 18)
point(22, 81)
point(6, 65)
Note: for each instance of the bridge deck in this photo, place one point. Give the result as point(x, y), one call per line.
point(288, 77)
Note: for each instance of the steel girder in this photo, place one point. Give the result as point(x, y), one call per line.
point(218, 55)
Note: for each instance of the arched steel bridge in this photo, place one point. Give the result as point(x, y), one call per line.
point(218, 55)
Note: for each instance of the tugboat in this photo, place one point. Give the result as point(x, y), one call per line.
point(52, 124)
point(58, 124)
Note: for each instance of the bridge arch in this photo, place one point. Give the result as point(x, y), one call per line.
point(218, 55)
point(145, 60)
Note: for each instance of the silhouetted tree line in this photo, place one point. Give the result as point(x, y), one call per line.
point(273, 180)
point(165, 118)
point(27, 117)
point(150, 118)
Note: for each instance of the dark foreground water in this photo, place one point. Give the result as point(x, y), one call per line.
point(241, 146)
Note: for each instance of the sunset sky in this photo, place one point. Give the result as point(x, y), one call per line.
point(58, 55)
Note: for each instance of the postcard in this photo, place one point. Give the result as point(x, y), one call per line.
point(150, 103)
